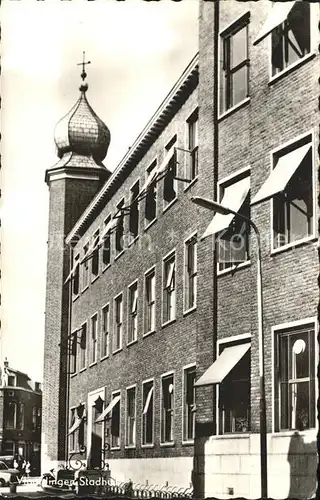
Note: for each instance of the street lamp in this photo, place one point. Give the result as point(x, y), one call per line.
point(216, 207)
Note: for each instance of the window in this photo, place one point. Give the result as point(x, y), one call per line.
point(167, 409)
point(119, 227)
point(73, 435)
point(8, 448)
point(133, 315)
point(293, 210)
point(73, 357)
point(11, 415)
point(234, 71)
point(151, 196)
point(94, 322)
point(76, 275)
point(169, 181)
point(134, 211)
point(106, 252)
point(233, 241)
point(147, 413)
point(95, 256)
point(20, 422)
point(234, 391)
point(34, 418)
point(192, 167)
point(295, 403)
point(131, 417)
point(11, 380)
point(190, 277)
point(105, 330)
point(169, 289)
point(291, 40)
point(115, 423)
point(118, 323)
point(83, 346)
point(189, 412)
point(150, 301)
point(85, 268)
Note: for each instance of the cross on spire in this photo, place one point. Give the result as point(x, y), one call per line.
point(83, 63)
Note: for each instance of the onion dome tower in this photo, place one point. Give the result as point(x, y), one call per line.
point(82, 142)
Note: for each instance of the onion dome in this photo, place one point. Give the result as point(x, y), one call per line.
point(81, 131)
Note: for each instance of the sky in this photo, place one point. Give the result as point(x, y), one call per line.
point(138, 50)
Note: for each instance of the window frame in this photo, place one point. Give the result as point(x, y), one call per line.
point(133, 444)
point(242, 338)
point(73, 352)
point(186, 308)
point(72, 437)
point(118, 446)
point(288, 144)
point(76, 274)
point(146, 304)
point(133, 316)
point(83, 357)
point(133, 238)
point(14, 426)
point(147, 223)
point(103, 333)
point(190, 121)
point(227, 32)
point(94, 341)
point(143, 385)
point(185, 370)
point(275, 329)
point(107, 238)
point(226, 182)
point(95, 257)
point(116, 298)
point(163, 430)
point(121, 217)
point(170, 144)
point(85, 268)
point(165, 259)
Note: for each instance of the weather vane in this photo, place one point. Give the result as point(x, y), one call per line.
point(83, 64)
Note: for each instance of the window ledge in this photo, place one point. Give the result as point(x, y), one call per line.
point(172, 202)
point(104, 357)
point(119, 255)
point(149, 333)
point(292, 432)
point(133, 241)
point(293, 245)
point(235, 108)
point(132, 342)
point(190, 310)
point(106, 267)
point(94, 279)
point(115, 448)
point(167, 445)
point(286, 71)
point(236, 435)
point(75, 297)
point(130, 447)
point(191, 183)
point(146, 446)
point(82, 369)
point(168, 322)
point(234, 269)
point(150, 224)
point(92, 364)
point(117, 350)
point(189, 442)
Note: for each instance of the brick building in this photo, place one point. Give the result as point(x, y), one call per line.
point(156, 302)
point(20, 416)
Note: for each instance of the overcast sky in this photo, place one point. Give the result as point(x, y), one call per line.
point(137, 50)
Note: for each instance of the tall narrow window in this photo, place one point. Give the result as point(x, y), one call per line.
point(72, 435)
point(189, 421)
point(169, 289)
point(295, 400)
point(34, 418)
point(192, 159)
point(76, 275)
point(95, 256)
point(190, 278)
point(234, 72)
point(151, 197)
point(73, 357)
point(105, 330)
point(167, 408)
point(118, 323)
point(85, 267)
point(291, 39)
point(147, 413)
point(20, 422)
point(120, 228)
point(134, 212)
point(170, 184)
point(115, 422)
point(106, 253)
point(11, 415)
point(94, 323)
point(83, 346)
point(133, 313)
point(150, 298)
point(131, 417)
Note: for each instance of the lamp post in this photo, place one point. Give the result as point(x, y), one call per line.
point(216, 207)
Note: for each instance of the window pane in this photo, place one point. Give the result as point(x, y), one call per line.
point(239, 47)
point(239, 85)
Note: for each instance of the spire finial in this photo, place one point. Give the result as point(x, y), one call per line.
point(83, 86)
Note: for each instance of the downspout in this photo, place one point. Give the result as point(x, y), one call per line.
point(68, 354)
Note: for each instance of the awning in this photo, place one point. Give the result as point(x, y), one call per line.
point(107, 229)
point(147, 403)
point(277, 15)
point(109, 408)
point(70, 275)
point(281, 174)
point(233, 198)
point(165, 162)
point(229, 357)
point(75, 426)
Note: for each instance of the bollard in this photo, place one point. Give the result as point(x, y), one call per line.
point(13, 487)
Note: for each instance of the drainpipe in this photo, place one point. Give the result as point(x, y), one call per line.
point(68, 354)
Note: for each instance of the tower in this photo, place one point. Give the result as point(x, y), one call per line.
point(82, 142)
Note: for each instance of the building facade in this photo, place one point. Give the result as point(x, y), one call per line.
point(154, 365)
point(20, 412)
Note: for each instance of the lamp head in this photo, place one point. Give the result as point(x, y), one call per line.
point(211, 205)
